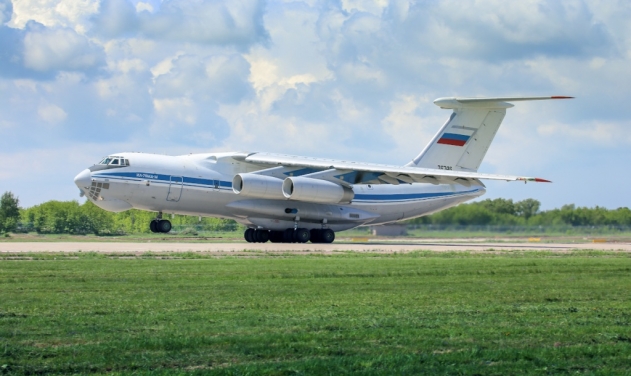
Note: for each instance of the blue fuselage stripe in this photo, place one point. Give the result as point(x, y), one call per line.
point(209, 183)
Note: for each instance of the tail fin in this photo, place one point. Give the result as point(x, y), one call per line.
point(463, 141)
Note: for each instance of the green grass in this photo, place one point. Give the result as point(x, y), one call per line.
point(421, 312)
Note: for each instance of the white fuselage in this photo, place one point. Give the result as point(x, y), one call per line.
point(201, 185)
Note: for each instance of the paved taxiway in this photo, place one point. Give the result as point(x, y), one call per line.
point(372, 246)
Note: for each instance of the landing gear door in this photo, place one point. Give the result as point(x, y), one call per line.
point(175, 188)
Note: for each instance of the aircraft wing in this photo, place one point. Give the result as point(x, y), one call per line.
point(348, 173)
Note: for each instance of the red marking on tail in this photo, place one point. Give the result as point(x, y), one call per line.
point(447, 141)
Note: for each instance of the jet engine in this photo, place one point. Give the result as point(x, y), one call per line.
point(315, 190)
point(261, 186)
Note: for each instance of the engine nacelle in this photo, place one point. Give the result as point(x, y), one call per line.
point(315, 190)
point(261, 186)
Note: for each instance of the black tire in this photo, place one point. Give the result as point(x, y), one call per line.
point(249, 235)
point(276, 236)
point(327, 235)
point(301, 235)
point(315, 236)
point(288, 235)
point(164, 226)
point(261, 236)
point(153, 226)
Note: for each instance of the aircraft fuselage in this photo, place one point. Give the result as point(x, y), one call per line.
point(201, 185)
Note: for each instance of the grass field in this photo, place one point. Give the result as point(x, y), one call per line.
point(422, 312)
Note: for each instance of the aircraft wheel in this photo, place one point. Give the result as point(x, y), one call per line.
point(288, 235)
point(249, 235)
point(276, 236)
point(261, 236)
point(164, 226)
point(315, 236)
point(153, 226)
point(302, 235)
point(327, 235)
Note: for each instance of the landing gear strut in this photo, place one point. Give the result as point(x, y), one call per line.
point(299, 235)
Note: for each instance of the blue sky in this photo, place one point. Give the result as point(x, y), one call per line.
point(81, 79)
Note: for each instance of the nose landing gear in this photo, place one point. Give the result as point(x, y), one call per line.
point(160, 225)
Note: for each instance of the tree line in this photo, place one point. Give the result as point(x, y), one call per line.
point(70, 217)
point(503, 212)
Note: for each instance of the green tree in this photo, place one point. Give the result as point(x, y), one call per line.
point(527, 208)
point(9, 212)
point(499, 206)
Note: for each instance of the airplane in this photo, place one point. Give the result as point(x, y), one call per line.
point(284, 198)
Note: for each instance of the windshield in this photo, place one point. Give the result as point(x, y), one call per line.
point(114, 161)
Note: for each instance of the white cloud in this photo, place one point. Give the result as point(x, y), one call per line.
point(180, 110)
point(195, 21)
point(51, 113)
point(140, 7)
point(6, 11)
point(52, 13)
point(407, 127)
point(593, 133)
point(59, 49)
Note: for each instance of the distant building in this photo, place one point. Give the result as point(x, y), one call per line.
point(389, 230)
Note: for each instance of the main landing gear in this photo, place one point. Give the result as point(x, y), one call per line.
point(160, 225)
point(299, 235)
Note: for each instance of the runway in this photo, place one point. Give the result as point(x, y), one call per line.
point(370, 246)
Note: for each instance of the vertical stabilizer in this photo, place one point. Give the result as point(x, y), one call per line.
point(463, 141)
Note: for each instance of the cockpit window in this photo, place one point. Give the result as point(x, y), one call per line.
point(111, 161)
point(114, 161)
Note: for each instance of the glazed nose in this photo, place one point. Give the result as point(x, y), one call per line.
point(84, 179)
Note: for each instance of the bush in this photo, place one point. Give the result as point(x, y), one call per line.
point(189, 231)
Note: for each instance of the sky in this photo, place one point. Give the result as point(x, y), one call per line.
point(349, 79)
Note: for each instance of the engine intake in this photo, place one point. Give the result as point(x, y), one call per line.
point(315, 190)
point(261, 186)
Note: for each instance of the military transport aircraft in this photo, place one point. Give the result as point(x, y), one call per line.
point(285, 198)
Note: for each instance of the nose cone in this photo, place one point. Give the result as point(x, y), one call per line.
point(84, 179)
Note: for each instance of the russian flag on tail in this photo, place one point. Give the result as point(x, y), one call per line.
point(453, 139)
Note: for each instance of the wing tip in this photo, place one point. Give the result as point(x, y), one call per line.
point(536, 180)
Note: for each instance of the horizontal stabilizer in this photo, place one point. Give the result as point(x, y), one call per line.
point(497, 102)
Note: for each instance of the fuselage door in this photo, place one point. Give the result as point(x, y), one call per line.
point(175, 188)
